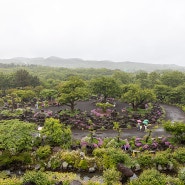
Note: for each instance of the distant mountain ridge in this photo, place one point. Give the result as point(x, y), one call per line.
point(79, 63)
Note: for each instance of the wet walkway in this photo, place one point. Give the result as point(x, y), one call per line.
point(172, 113)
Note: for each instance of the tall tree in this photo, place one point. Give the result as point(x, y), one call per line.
point(71, 91)
point(22, 79)
point(173, 78)
point(142, 79)
point(136, 96)
point(123, 77)
point(25, 95)
point(106, 86)
point(162, 92)
point(6, 81)
point(48, 94)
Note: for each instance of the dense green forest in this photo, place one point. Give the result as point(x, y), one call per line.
point(168, 86)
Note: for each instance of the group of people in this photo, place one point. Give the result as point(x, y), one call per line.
point(144, 123)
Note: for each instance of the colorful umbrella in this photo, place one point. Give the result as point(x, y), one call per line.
point(145, 121)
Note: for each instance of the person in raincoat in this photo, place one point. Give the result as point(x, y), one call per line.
point(145, 123)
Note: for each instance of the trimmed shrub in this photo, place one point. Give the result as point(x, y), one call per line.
point(181, 175)
point(55, 161)
point(43, 152)
point(37, 177)
point(66, 178)
point(10, 181)
point(150, 176)
point(179, 154)
point(111, 176)
point(145, 160)
point(109, 158)
point(6, 159)
point(173, 181)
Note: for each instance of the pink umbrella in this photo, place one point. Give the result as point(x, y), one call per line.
point(139, 121)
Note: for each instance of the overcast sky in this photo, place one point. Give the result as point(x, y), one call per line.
point(149, 31)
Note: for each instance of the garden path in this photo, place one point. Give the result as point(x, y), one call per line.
point(173, 113)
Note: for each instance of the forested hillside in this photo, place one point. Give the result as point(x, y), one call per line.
point(73, 63)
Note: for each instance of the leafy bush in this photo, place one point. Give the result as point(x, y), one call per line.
point(43, 151)
point(110, 157)
point(71, 157)
point(92, 141)
point(183, 108)
point(6, 159)
point(10, 181)
point(55, 161)
point(162, 158)
point(150, 176)
point(1, 101)
point(113, 142)
point(16, 136)
point(179, 154)
point(77, 160)
point(22, 158)
point(13, 113)
point(56, 133)
point(3, 175)
point(83, 164)
point(92, 183)
point(177, 129)
point(111, 176)
point(38, 177)
point(181, 175)
point(145, 160)
point(173, 181)
point(66, 178)
point(165, 159)
point(5, 113)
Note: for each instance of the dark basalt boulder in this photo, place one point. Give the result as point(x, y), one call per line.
point(127, 172)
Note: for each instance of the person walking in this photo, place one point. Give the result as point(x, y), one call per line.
point(139, 126)
point(145, 123)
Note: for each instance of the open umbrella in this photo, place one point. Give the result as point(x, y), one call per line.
point(146, 122)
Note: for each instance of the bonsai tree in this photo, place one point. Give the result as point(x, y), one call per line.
point(104, 106)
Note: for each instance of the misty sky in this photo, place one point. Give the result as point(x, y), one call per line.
point(148, 31)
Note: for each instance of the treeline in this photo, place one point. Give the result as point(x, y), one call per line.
point(18, 79)
point(168, 86)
